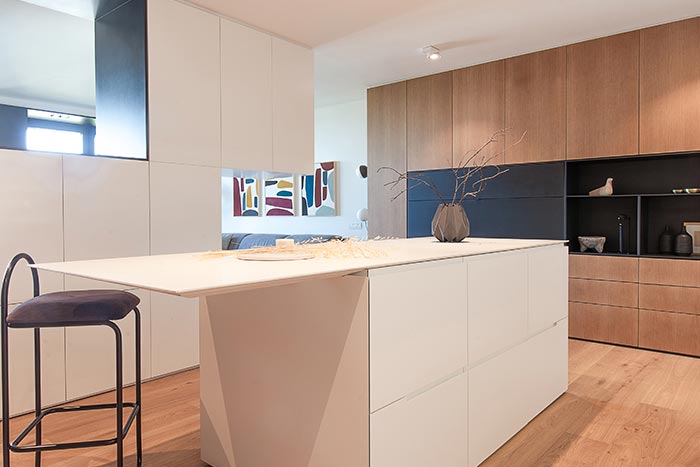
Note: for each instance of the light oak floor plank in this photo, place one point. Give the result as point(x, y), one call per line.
point(625, 407)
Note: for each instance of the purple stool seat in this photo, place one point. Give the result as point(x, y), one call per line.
point(75, 308)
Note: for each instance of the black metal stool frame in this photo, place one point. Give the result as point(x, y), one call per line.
point(122, 429)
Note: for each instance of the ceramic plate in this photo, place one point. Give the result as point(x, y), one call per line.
point(274, 256)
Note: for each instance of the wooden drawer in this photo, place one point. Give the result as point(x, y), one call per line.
point(668, 298)
point(672, 332)
point(611, 268)
point(604, 292)
point(669, 272)
point(617, 325)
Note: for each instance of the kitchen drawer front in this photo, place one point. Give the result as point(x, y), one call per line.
point(671, 332)
point(418, 327)
point(669, 298)
point(604, 292)
point(616, 325)
point(509, 390)
point(498, 303)
point(429, 429)
point(548, 291)
point(611, 268)
point(669, 272)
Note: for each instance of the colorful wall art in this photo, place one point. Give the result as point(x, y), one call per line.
point(318, 191)
point(279, 196)
point(246, 197)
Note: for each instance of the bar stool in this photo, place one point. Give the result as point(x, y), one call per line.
point(64, 309)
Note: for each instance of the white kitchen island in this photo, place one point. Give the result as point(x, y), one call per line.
point(426, 355)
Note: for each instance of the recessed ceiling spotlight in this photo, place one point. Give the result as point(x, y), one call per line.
point(431, 52)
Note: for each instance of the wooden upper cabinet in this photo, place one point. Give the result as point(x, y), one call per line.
point(603, 97)
point(536, 107)
point(386, 147)
point(670, 87)
point(478, 109)
point(429, 122)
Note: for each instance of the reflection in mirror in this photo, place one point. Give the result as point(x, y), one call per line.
point(73, 81)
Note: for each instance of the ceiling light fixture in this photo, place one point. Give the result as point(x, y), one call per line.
point(431, 52)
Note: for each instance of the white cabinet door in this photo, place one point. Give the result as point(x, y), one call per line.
point(497, 303)
point(21, 343)
point(246, 97)
point(185, 208)
point(417, 327)
point(90, 353)
point(508, 391)
point(174, 333)
point(184, 84)
point(106, 208)
point(32, 217)
point(292, 107)
point(425, 431)
point(549, 287)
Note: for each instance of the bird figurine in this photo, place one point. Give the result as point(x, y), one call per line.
point(605, 190)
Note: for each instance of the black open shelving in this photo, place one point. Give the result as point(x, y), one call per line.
point(642, 191)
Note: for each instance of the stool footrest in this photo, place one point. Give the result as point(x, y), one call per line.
point(15, 447)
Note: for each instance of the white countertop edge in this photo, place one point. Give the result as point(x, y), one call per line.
point(65, 268)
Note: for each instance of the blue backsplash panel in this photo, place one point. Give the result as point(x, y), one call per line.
point(528, 201)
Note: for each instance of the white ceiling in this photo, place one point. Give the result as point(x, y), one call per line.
point(46, 59)
point(364, 43)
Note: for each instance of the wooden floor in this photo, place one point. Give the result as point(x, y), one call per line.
point(624, 407)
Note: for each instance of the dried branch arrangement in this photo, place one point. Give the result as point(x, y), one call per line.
point(471, 175)
point(332, 249)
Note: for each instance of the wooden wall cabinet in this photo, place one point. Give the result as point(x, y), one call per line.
point(670, 87)
point(478, 109)
point(535, 98)
point(603, 97)
point(429, 122)
point(386, 147)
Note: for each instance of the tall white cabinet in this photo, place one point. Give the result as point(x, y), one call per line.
point(184, 84)
point(223, 94)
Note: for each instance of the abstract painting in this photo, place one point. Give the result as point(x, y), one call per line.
point(318, 191)
point(279, 196)
point(246, 196)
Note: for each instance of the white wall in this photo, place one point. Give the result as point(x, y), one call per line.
point(341, 135)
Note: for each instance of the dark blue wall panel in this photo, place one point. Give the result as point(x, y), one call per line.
point(13, 127)
point(120, 72)
point(526, 202)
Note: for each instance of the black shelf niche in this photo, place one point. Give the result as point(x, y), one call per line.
point(597, 216)
point(643, 191)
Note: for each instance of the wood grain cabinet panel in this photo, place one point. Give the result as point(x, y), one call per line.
point(670, 332)
point(478, 107)
point(603, 97)
point(386, 147)
point(612, 268)
point(429, 122)
point(617, 325)
point(669, 272)
point(669, 87)
point(603, 292)
point(667, 298)
point(536, 107)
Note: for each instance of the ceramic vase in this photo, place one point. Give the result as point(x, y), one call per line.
point(450, 223)
point(683, 245)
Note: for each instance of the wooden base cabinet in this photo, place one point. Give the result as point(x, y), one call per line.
point(613, 324)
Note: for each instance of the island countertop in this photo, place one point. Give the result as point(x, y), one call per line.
point(199, 274)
